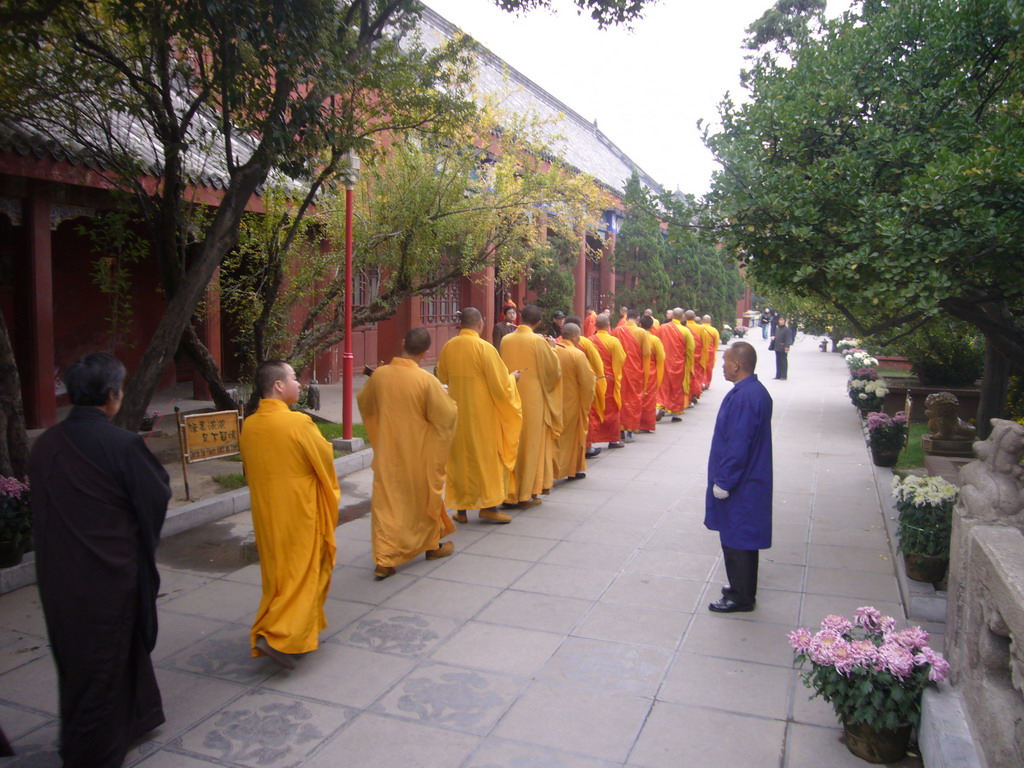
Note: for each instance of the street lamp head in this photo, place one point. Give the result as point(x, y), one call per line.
point(350, 174)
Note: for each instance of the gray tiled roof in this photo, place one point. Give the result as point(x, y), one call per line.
point(575, 140)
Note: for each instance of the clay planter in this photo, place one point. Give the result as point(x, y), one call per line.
point(10, 554)
point(885, 457)
point(877, 745)
point(929, 569)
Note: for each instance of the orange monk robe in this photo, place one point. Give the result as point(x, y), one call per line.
point(590, 323)
point(586, 346)
point(699, 359)
point(411, 422)
point(486, 440)
point(621, 323)
point(636, 342)
point(293, 488)
point(539, 388)
point(577, 396)
point(716, 339)
point(675, 387)
point(655, 375)
point(606, 428)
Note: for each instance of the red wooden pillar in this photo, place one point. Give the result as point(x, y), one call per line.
point(580, 276)
point(607, 284)
point(40, 395)
point(391, 332)
point(209, 334)
point(478, 291)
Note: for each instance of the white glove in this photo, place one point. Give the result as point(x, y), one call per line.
point(720, 493)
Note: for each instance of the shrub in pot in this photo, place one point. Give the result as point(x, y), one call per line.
point(15, 521)
point(925, 525)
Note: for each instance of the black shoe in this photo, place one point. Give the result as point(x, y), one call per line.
point(592, 452)
point(579, 476)
point(727, 605)
point(677, 418)
point(616, 445)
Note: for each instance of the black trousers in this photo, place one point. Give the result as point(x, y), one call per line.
point(781, 364)
point(741, 570)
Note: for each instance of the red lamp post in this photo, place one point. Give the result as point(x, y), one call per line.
point(351, 176)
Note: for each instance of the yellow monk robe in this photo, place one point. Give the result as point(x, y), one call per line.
point(486, 438)
point(539, 388)
point(716, 339)
point(699, 359)
point(606, 427)
point(655, 375)
point(586, 346)
point(636, 342)
point(411, 422)
point(577, 396)
point(294, 494)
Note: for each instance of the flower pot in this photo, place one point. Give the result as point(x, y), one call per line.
point(927, 568)
point(885, 457)
point(877, 745)
point(10, 554)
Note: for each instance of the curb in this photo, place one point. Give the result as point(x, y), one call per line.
point(185, 518)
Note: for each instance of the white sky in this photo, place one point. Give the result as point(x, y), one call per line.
point(646, 87)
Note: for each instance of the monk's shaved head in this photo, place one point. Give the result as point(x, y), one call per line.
point(744, 355)
point(632, 314)
point(471, 318)
point(707, 318)
point(417, 341)
point(571, 331)
point(691, 315)
point(647, 322)
point(572, 319)
point(602, 323)
point(532, 314)
point(269, 373)
point(678, 313)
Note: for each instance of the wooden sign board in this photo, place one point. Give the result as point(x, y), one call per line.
point(205, 436)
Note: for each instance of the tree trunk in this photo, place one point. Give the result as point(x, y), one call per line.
point(994, 387)
point(13, 438)
point(207, 367)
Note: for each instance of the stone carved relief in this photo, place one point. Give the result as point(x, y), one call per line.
point(991, 488)
point(265, 735)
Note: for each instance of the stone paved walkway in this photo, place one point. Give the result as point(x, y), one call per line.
point(576, 636)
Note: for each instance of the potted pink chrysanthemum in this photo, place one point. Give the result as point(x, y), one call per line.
point(873, 675)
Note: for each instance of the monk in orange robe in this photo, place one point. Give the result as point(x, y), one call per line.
point(700, 342)
point(679, 346)
point(411, 422)
point(533, 357)
point(577, 396)
point(293, 487)
point(716, 339)
point(655, 375)
point(623, 316)
point(589, 323)
point(605, 428)
point(636, 342)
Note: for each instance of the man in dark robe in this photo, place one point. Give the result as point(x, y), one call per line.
point(739, 494)
point(99, 498)
point(505, 327)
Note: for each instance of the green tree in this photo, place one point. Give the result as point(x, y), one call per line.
point(877, 168)
point(640, 250)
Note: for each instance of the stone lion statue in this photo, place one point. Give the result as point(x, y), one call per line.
point(943, 422)
point(993, 486)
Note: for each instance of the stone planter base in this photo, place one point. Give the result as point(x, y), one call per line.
point(877, 745)
point(929, 569)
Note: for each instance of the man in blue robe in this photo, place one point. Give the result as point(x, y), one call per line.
point(739, 494)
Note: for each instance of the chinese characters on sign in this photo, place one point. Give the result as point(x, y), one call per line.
point(209, 435)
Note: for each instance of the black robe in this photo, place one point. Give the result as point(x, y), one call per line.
point(99, 498)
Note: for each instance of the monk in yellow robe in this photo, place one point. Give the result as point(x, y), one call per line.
point(578, 381)
point(716, 339)
point(411, 422)
point(540, 378)
point(486, 441)
point(294, 494)
point(636, 342)
point(605, 421)
point(655, 375)
point(679, 346)
point(700, 355)
point(586, 346)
